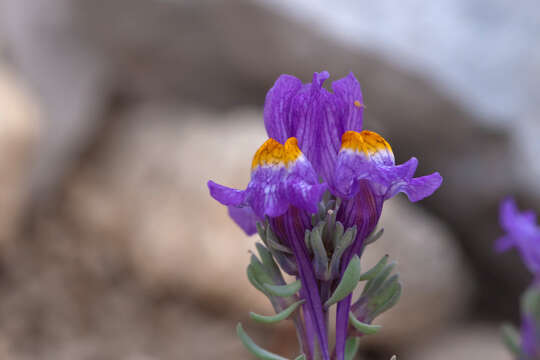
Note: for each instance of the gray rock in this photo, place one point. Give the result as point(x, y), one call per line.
point(476, 341)
point(19, 117)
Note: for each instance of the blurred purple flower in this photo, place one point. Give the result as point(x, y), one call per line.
point(317, 144)
point(522, 232)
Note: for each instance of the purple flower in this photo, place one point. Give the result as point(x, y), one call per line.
point(522, 232)
point(317, 145)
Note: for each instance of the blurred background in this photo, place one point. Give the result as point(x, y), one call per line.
point(115, 113)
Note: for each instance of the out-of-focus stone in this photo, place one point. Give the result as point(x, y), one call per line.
point(18, 130)
point(467, 342)
point(146, 190)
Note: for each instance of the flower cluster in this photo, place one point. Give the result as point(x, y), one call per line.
point(523, 232)
point(316, 194)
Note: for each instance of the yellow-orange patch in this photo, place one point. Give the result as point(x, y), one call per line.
point(358, 104)
point(273, 153)
point(366, 141)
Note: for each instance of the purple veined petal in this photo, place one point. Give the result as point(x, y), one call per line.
point(349, 96)
point(314, 119)
point(281, 176)
point(293, 225)
point(277, 107)
point(263, 192)
point(342, 321)
point(225, 195)
point(305, 116)
point(305, 196)
point(302, 187)
point(311, 334)
point(367, 156)
point(360, 157)
point(245, 218)
point(419, 188)
point(328, 141)
point(363, 211)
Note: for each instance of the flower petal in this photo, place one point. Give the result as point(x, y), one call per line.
point(368, 156)
point(264, 193)
point(301, 185)
point(316, 117)
point(281, 176)
point(308, 113)
point(294, 224)
point(418, 188)
point(349, 97)
point(245, 218)
point(225, 195)
point(277, 107)
point(521, 231)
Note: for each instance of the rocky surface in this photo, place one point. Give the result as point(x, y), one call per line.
point(436, 281)
point(18, 133)
point(477, 341)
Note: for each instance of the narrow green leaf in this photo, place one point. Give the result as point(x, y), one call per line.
point(390, 303)
point(274, 243)
point(351, 347)
point(269, 264)
point(301, 357)
point(338, 233)
point(374, 236)
point(306, 240)
point(511, 338)
point(261, 230)
point(371, 273)
point(530, 302)
point(374, 284)
point(341, 245)
point(284, 290)
point(259, 271)
point(254, 348)
point(253, 279)
point(320, 257)
point(278, 317)
point(385, 292)
point(286, 261)
point(364, 328)
point(348, 282)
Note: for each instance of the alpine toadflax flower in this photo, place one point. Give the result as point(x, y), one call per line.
point(316, 193)
point(523, 233)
